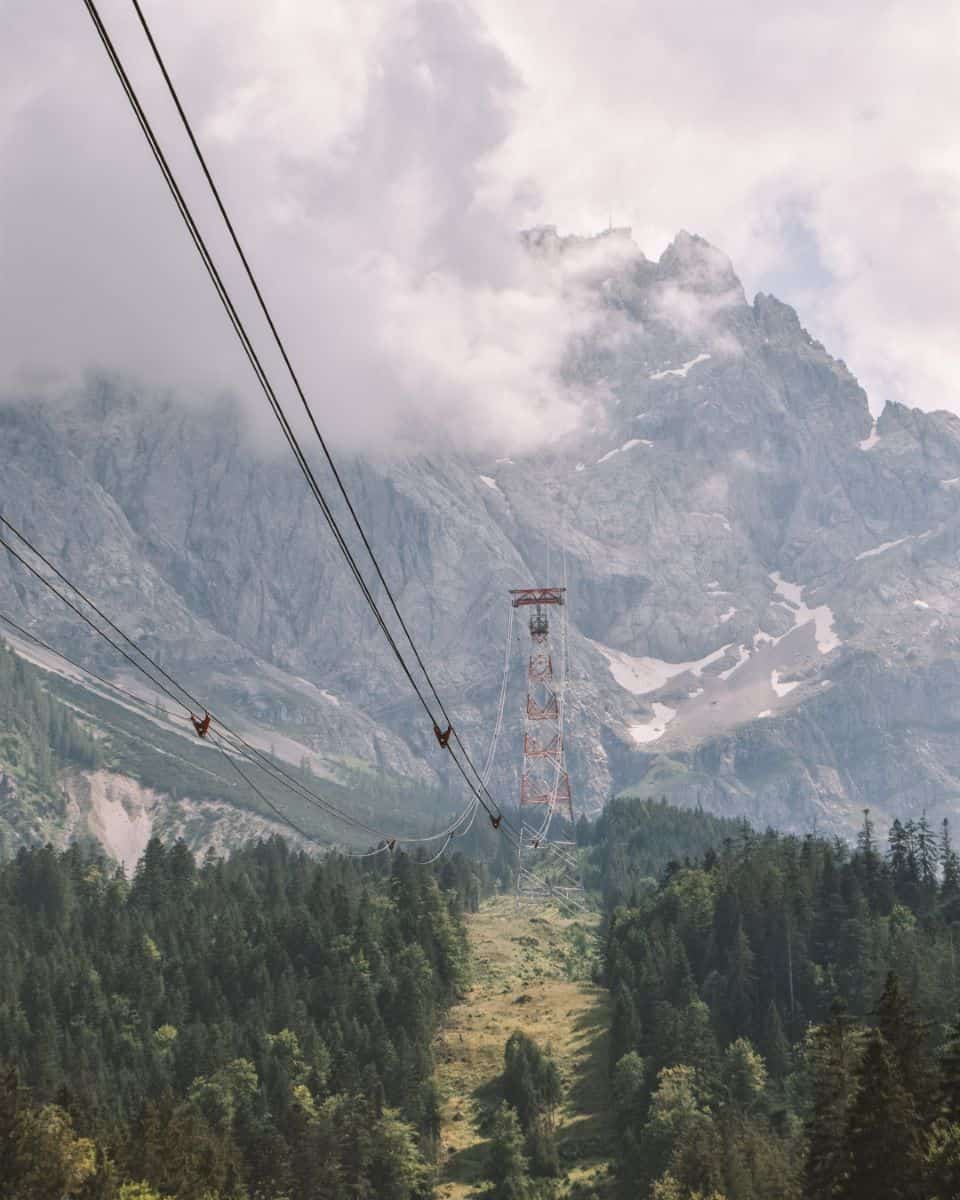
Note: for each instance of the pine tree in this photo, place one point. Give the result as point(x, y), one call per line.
point(776, 1048)
point(741, 984)
point(883, 1133)
point(867, 852)
point(834, 1054)
point(905, 1037)
point(507, 1165)
point(926, 851)
point(950, 1077)
point(950, 870)
point(898, 854)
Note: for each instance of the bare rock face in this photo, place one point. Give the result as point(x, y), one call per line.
point(761, 576)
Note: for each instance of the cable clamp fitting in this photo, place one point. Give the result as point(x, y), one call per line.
point(201, 726)
point(443, 735)
point(495, 820)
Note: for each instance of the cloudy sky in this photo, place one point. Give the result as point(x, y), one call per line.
point(379, 156)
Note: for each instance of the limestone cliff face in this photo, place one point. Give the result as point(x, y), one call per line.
point(761, 577)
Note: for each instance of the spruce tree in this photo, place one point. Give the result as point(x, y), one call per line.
point(905, 1036)
point(950, 1077)
point(834, 1056)
point(507, 1165)
point(883, 1133)
point(774, 1044)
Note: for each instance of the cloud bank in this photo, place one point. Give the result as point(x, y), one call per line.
point(379, 157)
point(408, 304)
point(813, 143)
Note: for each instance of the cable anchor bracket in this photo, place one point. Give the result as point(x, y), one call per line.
point(201, 725)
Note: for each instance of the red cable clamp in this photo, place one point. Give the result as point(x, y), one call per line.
point(443, 736)
point(201, 726)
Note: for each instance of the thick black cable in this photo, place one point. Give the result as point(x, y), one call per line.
point(83, 616)
point(289, 365)
point(253, 787)
point(259, 759)
point(115, 687)
point(246, 343)
point(266, 765)
point(300, 391)
point(122, 691)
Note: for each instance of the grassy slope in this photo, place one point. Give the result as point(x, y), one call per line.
point(526, 968)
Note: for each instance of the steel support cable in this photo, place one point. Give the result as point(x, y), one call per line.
point(473, 806)
point(219, 741)
point(425, 862)
point(241, 332)
point(122, 691)
point(267, 765)
point(253, 787)
point(544, 829)
point(493, 810)
point(283, 779)
point(237, 742)
point(101, 614)
point(367, 853)
point(241, 746)
point(450, 831)
point(146, 703)
point(115, 687)
point(83, 616)
point(501, 702)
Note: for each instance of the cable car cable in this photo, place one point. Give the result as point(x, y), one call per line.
point(263, 379)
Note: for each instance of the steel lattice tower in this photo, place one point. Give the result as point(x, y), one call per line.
point(544, 782)
point(544, 779)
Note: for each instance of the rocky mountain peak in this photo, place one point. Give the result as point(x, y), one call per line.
point(694, 263)
point(762, 578)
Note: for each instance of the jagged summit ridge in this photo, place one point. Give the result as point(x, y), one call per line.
point(761, 576)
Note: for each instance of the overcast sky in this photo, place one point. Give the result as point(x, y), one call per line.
point(379, 156)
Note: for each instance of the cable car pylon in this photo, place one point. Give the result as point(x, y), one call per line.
point(547, 868)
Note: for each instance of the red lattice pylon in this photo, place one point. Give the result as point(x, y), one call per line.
point(544, 779)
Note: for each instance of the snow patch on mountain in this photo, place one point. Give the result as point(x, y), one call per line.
point(643, 675)
point(871, 440)
point(782, 689)
point(743, 655)
point(626, 446)
point(651, 731)
point(822, 615)
point(681, 371)
point(883, 548)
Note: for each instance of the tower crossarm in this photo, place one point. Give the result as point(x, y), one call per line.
point(538, 596)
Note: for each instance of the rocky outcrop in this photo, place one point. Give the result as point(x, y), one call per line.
point(761, 576)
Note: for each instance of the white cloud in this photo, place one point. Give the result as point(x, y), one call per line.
point(380, 155)
point(814, 143)
point(352, 147)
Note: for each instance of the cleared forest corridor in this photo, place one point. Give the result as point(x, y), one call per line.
point(531, 972)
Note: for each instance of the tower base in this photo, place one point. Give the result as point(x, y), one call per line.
point(548, 871)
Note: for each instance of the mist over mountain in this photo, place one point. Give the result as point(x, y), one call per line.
point(760, 574)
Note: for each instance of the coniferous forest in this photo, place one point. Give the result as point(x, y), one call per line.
point(256, 1026)
point(784, 1017)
